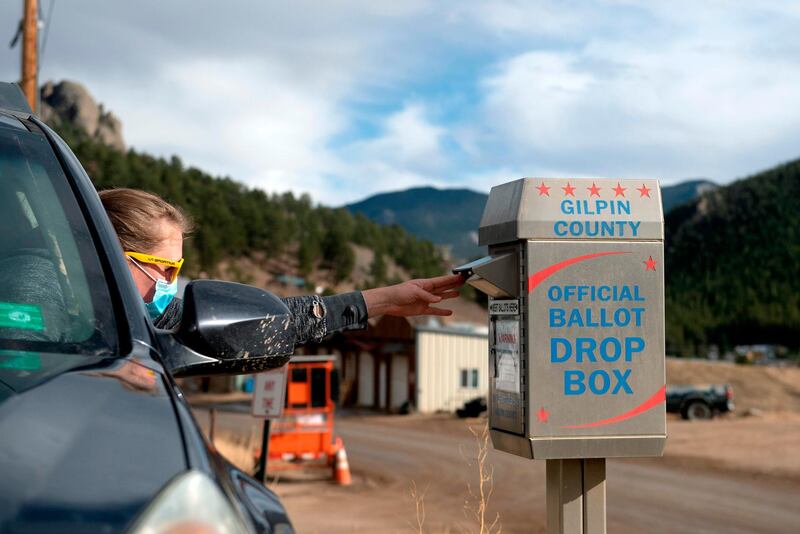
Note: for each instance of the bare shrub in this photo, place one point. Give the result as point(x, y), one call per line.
point(475, 507)
point(477, 503)
point(238, 448)
point(419, 504)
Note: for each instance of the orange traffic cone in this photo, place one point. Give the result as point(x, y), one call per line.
point(341, 470)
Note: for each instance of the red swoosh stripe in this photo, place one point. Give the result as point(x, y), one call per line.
point(657, 398)
point(540, 276)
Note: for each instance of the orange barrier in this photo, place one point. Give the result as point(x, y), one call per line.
point(304, 433)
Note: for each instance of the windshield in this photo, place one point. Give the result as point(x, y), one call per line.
point(53, 296)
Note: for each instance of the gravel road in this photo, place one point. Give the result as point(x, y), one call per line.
point(643, 495)
point(390, 455)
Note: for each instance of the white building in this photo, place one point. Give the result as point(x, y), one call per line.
point(408, 364)
point(452, 368)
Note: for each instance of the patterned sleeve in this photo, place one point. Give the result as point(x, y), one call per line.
point(316, 317)
point(171, 317)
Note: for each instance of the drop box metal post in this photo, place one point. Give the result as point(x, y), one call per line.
point(575, 278)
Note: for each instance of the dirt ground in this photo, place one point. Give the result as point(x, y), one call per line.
point(733, 474)
point(754, 386)
point(767, 445)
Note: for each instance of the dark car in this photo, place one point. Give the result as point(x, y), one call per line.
point(95, 435)
point(472, 408)
point(700, 402)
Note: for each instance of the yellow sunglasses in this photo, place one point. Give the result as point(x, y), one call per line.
point(157, 260)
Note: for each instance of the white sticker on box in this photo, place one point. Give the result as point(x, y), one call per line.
point(506, 348)
point(503, 307)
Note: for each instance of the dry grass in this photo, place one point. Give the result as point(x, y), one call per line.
point(419, 504)
point(754, 386)
point(475, 508)
point(477, 503)
point(238, 448)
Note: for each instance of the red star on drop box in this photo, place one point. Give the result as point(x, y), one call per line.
point(543, 415)
point(543, 190)
point(619, 191)
point(594, 190)
point(569, 190)
point(644, 191)
point(650, 264)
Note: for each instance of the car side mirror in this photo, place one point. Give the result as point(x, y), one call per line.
point(227, 329)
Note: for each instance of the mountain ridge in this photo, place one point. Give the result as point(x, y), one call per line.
point(733, 264)
point(732, 253)
point(419, 211)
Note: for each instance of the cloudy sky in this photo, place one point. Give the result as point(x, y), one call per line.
point(342, 99)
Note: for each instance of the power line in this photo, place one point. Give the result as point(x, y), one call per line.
point(15, 39)
point(46, 31)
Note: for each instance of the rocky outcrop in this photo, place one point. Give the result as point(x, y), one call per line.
point(70, 102)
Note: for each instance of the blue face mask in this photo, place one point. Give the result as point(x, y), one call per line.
point(164, 294)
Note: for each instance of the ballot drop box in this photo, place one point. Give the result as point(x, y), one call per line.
point(575, 278)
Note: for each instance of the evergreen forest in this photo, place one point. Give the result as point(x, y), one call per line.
point(732, 254)
point(733, 265)
point(233, 220)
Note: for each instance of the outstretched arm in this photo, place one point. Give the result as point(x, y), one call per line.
point(414, 297)
point(317, 317)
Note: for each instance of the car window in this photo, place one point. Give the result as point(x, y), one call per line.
point(53, 295)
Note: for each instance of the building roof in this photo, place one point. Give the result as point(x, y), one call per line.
point(454, 330)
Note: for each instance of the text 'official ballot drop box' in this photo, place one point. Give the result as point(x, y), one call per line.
point(575, 276)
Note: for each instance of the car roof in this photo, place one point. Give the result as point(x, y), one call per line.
point(13, 101)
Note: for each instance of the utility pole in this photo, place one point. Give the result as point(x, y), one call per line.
point(30, 53)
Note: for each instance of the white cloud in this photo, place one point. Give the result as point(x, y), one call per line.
point(534, 97)
point(255, 92)
point(252, 122)
point(701, 103)
point(412, 135)
point(507, 18)
point(407, 152)
point(460, 94)
point(407, 138)
point(244, 119)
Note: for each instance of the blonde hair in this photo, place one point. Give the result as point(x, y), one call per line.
point(133, 213)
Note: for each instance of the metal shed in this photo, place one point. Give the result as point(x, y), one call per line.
point(451, 367)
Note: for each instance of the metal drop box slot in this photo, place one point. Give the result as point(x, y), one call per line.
point(575, 280)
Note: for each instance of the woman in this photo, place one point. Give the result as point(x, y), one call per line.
point(151, 232)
